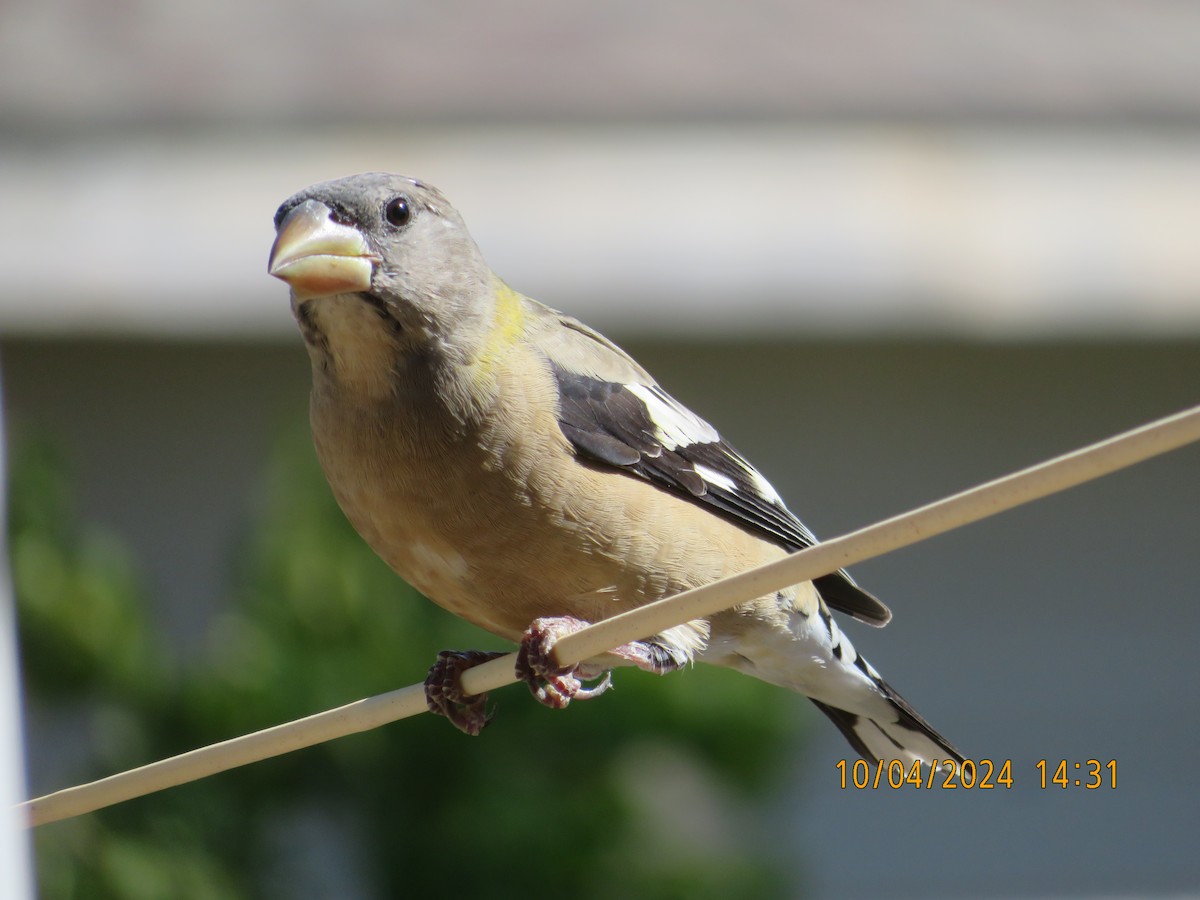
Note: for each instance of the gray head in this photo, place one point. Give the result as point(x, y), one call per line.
point(389, 238)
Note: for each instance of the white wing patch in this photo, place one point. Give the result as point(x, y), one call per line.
point(713, 477)
point(764, 487)
point(675, 425)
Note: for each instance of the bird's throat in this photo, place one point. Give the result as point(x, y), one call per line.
point(352, 341)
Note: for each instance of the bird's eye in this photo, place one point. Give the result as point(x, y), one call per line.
point(397, 212)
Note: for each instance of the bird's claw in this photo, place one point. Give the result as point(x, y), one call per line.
point(443, 690)
point(551, 684)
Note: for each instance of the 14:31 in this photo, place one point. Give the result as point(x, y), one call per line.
point(1089, 774)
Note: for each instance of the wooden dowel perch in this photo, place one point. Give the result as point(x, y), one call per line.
point(969, 506)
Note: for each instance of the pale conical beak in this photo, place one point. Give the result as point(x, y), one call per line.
point(319, 257)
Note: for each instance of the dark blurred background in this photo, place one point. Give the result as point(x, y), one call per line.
point(890, 248)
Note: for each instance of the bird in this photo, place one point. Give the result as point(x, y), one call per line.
point(523, 472)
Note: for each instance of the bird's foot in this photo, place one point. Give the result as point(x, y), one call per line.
point(553, 685)
point(443, 689)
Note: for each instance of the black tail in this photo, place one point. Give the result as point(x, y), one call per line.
point(908, 738)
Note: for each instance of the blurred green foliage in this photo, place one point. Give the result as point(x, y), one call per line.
point(647, 792)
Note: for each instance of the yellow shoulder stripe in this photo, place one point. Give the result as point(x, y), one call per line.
point(507, 326)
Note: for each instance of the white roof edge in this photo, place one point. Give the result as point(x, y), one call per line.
point(850, 230)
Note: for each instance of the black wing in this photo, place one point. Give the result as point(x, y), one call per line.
point(642, 430)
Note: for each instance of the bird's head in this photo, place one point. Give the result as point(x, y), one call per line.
point(391, 241)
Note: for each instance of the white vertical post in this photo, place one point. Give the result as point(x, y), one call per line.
point(15, 874)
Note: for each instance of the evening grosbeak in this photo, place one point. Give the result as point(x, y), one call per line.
point(524, 473)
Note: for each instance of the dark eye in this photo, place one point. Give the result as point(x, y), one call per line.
point(397, 212)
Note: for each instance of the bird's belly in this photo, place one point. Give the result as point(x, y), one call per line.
point(479, 557)
point(500, 551)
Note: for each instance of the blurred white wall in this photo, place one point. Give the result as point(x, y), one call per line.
point(684, 230)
